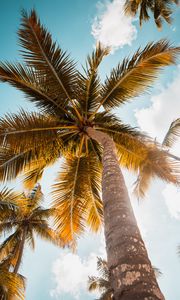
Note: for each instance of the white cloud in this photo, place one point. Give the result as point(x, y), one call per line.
point(165, 108)
point(111, 27)
point(172, 199)
point(70, 272)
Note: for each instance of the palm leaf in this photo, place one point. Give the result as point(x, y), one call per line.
point(161, 9)
point(47, 58)
point(172, 134)
point(157, 164)
point(68, 194)
point(89, 84)
point(14, 162)
point(35, 87)
point(12, 286)
point(95, 214)
point(133, 77)
point(32, 128)
point(33, 174)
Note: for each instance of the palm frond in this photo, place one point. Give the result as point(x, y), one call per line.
point(49, 61)
point(32, 128)
point(157, 164)
point(89, 84)
point(34, 86)
point(157, 272)
point(12, 162)
point(10, 245)
point(69, 194)
point(12, 286)
point(45, 232)
point(95, 213)
point(134, 76)
point(33, 174)
point(172, 134)
point(162, 9)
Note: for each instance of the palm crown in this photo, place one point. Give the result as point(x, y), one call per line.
point(162, 9)
point(28, 219)
point(69, 103)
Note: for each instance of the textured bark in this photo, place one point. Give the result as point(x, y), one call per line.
point(131, 274)
point(21, 248)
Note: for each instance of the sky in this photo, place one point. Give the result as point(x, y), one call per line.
point(53, 273)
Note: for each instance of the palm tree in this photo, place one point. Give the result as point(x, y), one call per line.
point(12, 285)
point(160, 8)
point(75, 123)
point(29, 218)
point(102, 284)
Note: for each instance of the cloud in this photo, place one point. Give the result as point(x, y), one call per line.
point(70, 272)
point(164, 108)
point(155, 120)
point(172, 199)
point(111, 27)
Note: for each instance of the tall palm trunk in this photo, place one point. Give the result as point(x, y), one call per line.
point(131, 273)
point(20, 251)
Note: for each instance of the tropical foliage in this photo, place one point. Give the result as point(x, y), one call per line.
point(161, 9)
point(12, 285)
point(69, 103)
point(19, 226)
point(101, 283)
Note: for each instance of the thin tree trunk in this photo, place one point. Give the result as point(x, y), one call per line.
point(131, 274)
point(21, 248)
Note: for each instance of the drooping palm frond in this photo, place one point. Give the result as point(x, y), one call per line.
point(102, 283)
point(134, 76)
point(49, 61)
point(172, 134)
point(12, 286)
point(158, 164)
point(162, 9)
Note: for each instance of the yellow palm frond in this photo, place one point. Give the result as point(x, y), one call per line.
point(47, 58)
point(162, 9)
point(12, 286)
point(134, 76)
point(68, 194)
point(157, 164)
point(33, 173)
point(32, 128)
point(34, 86)
point(89, 84)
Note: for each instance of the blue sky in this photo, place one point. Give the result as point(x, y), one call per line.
point(76, 25)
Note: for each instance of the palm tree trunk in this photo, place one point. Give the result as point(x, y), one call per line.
point(20, 251)
point(131, 273)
